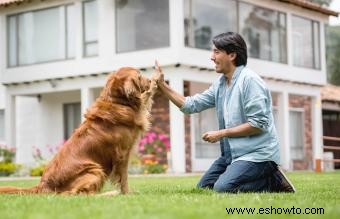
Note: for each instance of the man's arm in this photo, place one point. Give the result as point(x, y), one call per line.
point(172, 95)
point(244, 129)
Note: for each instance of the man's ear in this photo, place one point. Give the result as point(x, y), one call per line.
point(233, 56)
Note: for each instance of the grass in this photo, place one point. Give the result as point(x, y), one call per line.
point(176, 197)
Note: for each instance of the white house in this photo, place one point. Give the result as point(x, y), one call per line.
point(55, 56)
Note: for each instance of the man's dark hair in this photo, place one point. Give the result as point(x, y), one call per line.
point(232, 42)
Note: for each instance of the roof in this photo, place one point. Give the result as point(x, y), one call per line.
point(9, 2)
point(312, 6)
point(330, 93)
point(301, 3)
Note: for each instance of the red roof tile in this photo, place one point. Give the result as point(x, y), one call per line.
point(302, 3)
point(312, 6)
point(330, 93)
point(8, 2)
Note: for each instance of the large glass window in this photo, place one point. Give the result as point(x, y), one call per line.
point(142, 24)
point(264, 31)
point(40, 36)
point(72, 118)
point(206, 121)
point(2, 124)
point(205, 19)
point(296, 134)
point(306, 42)
point(90, 23)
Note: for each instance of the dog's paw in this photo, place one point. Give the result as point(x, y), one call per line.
point(153, 88)
point(153, 85)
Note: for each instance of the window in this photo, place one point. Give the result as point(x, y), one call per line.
point(2, 124)
point(206, 121)
point(133, 29)
point(41, 36)
point(264, 31)
point(72, 118)
point(296, 134)
point(276, 117)
point(306, 42)
point(90, 24)
point(330, 115)
point(205, 19)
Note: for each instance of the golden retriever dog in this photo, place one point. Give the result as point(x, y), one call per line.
point(99, 149)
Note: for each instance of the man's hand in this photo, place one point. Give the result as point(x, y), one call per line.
point(212, 136)
point(158, 75)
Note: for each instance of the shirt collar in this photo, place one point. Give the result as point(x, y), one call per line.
point(236, 73)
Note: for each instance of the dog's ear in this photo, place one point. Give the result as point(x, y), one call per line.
point(107, 90)
point(132, 88)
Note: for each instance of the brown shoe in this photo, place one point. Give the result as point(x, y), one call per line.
point(282, 181)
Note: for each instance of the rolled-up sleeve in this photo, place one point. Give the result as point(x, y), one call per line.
point(199, 102)
point(257, 104)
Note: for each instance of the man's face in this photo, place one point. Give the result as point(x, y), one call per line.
point(223, 61)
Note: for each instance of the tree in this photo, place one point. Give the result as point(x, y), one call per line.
point(333, 54)
point(335, 62)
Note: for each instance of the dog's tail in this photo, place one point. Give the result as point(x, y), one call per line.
point(16, 190)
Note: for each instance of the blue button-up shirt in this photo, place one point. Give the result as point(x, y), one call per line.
point(247, 100)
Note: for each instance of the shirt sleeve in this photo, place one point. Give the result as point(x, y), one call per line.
point(257, 103)
point(199, 102)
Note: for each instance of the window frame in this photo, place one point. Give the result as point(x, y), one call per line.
point(191, 31)
point(118, 52)
point(65, 118)
point(198, 142)
point(302, 111)
point(312, 22)
point(283, 60)
point(87, 43)
point(17, 50)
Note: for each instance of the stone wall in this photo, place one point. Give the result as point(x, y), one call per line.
point(304, 102)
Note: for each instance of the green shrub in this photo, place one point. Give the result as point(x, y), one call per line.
point(8, 168)
point(38, 171)
point(154, 168)
point(7, 153)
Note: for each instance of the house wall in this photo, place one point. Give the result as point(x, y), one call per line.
point(44, 118)
point(2, 97)
point(40, 123)
point(107, 60)
point(302, 103)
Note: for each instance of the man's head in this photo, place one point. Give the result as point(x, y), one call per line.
point(233, 47)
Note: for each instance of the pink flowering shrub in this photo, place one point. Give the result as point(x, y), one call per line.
point(41, 159)
point(155, 144)
point(51, 149)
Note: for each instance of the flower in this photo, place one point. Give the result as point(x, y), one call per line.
point(155, 144)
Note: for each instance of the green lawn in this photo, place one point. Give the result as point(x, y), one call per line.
point(176, 197)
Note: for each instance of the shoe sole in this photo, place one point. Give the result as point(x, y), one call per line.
point(286, 178)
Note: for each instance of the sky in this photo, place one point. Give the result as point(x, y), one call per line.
point(336, 7)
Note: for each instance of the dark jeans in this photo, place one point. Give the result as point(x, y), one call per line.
point(243, 176)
